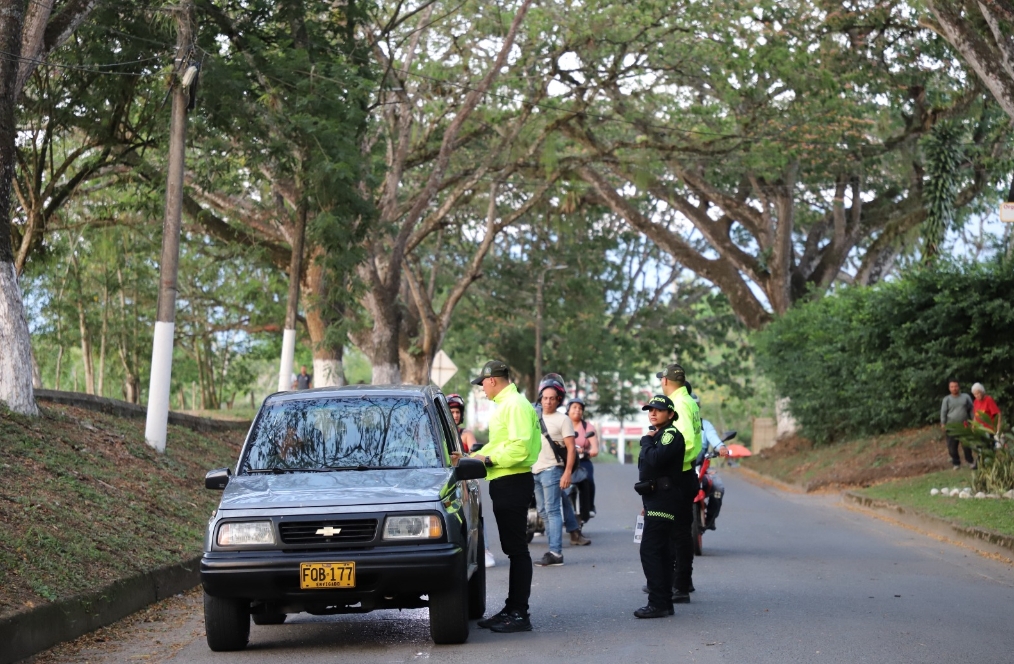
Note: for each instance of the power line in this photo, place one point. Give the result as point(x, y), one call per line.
point(10, 57)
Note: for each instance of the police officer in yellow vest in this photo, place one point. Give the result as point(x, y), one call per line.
point(659, 467)
point(674, 386)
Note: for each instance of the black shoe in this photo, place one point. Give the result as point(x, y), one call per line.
point(709, 525)
point(487, 623)
point(692, 589)
point(650, 611)
point(680, 598)
point(549, 559)
point(515, 621)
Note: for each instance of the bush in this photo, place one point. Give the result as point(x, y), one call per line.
point(871, 360)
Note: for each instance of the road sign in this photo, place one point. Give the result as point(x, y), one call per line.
point(442, 369)
point(1007, 212)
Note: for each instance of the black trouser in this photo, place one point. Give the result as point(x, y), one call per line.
point(511, 496)
point(952, 448)
point(656, 545)
point(586, 491)
point(682, 538)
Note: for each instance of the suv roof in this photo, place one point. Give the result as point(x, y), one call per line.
point(430, 391)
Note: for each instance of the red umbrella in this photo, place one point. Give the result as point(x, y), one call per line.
point(736, 450)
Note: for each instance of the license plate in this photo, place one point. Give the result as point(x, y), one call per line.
point(314, 576)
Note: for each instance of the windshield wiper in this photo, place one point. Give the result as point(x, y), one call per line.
point(358, 467)
point(281, 471)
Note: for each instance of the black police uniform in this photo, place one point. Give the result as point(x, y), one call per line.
point(660, 462)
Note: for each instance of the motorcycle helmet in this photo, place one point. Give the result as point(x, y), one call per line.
point(455, 401)
point(554, 381)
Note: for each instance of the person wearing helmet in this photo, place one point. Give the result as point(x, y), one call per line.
point(553, 471)
point(457, 406)
point(712, 444)
point(587, 446)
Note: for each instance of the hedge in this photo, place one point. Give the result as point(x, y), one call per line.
point(870, 360)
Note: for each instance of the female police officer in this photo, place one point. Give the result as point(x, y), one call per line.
point(659, 467)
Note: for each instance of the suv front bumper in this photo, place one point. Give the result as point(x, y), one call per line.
point(382, 574)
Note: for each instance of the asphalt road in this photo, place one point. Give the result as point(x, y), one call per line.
point(786, 578)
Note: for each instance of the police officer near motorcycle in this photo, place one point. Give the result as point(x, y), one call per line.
point(660, 467)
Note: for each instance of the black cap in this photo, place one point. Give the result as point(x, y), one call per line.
point(673, 372)
point(492, 368)
point(659, 402)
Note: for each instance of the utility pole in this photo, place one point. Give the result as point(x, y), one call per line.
point(295, 272)
point(539, 306)
point(165, 319)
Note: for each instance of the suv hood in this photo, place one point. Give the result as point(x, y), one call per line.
point(340, 488)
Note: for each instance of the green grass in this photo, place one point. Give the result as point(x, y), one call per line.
point(914, 493)
point(85, 501)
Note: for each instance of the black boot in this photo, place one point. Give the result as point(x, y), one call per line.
point(650, 611)
point(680, 597)
point(714, 507)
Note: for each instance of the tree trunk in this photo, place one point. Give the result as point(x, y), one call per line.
point(86, 348)
point(328, 369)
point(103, 333)
point(292, 309)
point(16, 356)
point(384, 340)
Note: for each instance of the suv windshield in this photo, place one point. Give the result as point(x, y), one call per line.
point(345, 433)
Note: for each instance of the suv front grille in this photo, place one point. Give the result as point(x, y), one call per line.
point(347, 532)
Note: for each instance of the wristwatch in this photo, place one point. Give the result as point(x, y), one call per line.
point(488, 462)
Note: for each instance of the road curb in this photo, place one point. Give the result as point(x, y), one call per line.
point(977, 538)
point(759, 478)
point(30, 632)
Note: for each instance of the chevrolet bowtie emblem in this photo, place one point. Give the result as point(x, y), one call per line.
point(329, 531)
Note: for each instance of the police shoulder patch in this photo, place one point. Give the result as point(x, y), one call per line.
point(667, 438)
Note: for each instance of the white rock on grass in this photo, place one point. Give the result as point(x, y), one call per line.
point(981, 494)
point(945, 491)
point(965, 494)
point(1009, 494)
point(954, 493)
point(934, 492)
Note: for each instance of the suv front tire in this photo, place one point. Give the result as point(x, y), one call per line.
point(226, 623)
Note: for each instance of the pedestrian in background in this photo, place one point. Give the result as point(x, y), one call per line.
point(587, 446)
point(304, 381)
point(514, 443)
point(956, 407)
point(985, 410)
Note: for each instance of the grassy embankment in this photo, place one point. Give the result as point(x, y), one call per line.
point(900, 467)
point(84, 501)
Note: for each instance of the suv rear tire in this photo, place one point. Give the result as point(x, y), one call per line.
point(449, 609)
point(477, 584)
point(226, 623)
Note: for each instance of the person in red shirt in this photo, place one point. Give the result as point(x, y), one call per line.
point(985, 409)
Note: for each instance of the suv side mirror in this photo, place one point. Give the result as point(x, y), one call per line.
point(469, 469)
point(217, 479)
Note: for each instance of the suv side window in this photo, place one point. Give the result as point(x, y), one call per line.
point(447, 430)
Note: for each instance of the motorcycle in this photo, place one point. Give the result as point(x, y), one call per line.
point(699, 524)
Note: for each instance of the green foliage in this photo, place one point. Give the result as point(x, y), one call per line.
point(943, 162)
point(995, 472)
point(871, 360)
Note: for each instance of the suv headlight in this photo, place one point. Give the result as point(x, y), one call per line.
point(415, 526)
point(245, 532)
